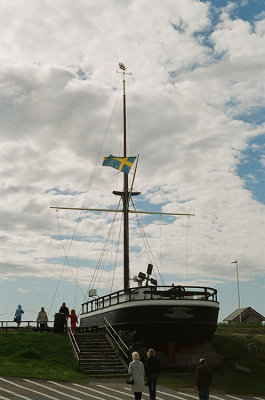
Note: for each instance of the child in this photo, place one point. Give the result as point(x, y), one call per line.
point(74, 320)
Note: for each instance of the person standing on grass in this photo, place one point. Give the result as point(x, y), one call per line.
point(42, 319)
point(64, 310)
point(73, 319)
point(152, 370)
point(203, 380)
point(136, 371)
point(18, 315)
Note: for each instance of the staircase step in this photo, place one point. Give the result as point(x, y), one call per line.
point(88, 356)
point(97, 356)
point(102, 363)
point(102, 373)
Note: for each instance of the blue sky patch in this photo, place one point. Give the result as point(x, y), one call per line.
point(81, 74)
point(252, 168)
point(248, 10)
point(254, 115)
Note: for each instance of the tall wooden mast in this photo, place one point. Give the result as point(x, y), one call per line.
point(125, 201)
point(124, 194)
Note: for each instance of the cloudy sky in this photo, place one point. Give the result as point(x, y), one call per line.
point(196, 101)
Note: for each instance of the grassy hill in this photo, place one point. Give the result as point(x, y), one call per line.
point(242, 345)
point(48, 356)
point(36, 355)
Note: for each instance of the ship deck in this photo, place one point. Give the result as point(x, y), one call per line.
point(154, 293)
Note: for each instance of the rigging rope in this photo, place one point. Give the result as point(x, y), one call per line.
point(85, 198)
point(110, 256)
point(146, 244)
point(100, 261)
point(187, 239)
point(95, 273)
point(66, 260)
point(117, 251)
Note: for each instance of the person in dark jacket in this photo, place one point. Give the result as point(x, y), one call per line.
point(64, 310)
point(152, 370)
point(203, 379)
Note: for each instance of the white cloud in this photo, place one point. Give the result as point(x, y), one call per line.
point(182, 100)
point(21, 290)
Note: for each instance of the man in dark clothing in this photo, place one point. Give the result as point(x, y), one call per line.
point(203, 380)
point(64, 310)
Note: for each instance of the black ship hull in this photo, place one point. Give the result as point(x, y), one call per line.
point(159, 321)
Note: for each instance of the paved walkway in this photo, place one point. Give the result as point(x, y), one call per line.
point(27, 389)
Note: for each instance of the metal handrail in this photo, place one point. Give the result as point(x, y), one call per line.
point(106, 322)
point(74, 344)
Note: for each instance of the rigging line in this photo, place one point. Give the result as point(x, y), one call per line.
point(146, 243)
point(131, 189)
point(147, 249)
point(151, 255)
point(66, 257)
point(76, 283)
point(106, 244)
point(100, 263)
point(7, 313)
point(117, 252)
point(102, 144)
point(94, 276)
point(100, 269)
point(187, 239)
point(61, 269)
point(94, 169)
point(128, 129)
point(89, 184)
point(31, 311)
point(65, 260)
point(95, 273)
point(113, 233)
point(110, 257)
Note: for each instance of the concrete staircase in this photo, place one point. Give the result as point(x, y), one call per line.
point(97, 357)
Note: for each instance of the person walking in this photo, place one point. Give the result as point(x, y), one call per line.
point(136, 372)
point(64, 310)
point(203, 380)
point(42, 319)
point(73, 319)
point(152, 370)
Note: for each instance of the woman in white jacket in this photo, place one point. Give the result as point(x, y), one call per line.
point(136, 371)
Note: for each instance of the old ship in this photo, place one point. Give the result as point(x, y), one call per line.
point(162, 315)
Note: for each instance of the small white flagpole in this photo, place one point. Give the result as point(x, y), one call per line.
point(237, 275)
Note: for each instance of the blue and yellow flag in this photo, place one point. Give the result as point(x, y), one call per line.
point(123, 164)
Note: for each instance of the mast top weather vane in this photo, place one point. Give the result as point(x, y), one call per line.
point(123, 68)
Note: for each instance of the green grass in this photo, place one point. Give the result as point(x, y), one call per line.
point(232, 342)
point(44, 356)
point(48, 356)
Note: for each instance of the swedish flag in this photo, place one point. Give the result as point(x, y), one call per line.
point(123, 164)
